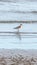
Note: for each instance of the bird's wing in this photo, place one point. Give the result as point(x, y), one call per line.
point(17, 27)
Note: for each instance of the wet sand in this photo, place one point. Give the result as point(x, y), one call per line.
point(18, 57)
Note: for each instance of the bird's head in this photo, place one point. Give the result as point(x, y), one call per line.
point(21, 25)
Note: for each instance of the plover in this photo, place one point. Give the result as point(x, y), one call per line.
point(18, 27)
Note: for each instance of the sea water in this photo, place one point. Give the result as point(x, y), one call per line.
point(25, 10)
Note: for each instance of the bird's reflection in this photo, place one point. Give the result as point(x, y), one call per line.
point(18, 35)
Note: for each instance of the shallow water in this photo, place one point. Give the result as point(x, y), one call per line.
point(10, 40)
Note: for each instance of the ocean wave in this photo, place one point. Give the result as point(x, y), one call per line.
point(24, 12)
point(18, 0)
point(34, 11)
point(12, 11)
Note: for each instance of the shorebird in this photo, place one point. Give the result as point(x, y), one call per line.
point(18, 27)
point(18, 33)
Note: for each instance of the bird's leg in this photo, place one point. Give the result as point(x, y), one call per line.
point(18, 31)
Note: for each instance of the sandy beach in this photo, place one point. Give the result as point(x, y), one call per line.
point(18, 57)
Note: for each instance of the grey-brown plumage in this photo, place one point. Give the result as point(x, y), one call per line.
point(18, 27)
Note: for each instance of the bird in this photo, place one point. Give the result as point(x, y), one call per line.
point(18, 27)
point(18, 33)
